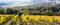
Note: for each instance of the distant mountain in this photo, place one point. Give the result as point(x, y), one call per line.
point(28, 6)
point(49, 4)
point(3, 4)
point(33, 5)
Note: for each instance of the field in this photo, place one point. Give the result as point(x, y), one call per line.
point(29, 20)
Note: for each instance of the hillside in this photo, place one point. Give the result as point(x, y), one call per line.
point(37, 9)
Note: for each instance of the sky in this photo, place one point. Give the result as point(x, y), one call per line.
point(22, 2)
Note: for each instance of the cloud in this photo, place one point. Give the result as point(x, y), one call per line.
point(14, 5)
point(24, 2)
point(18, 1)
point(14, 2)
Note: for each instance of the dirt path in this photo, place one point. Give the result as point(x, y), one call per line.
point(8, 23)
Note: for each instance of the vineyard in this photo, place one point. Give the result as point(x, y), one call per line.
point(4, 18)
point(29, 20)
point(42, 15)
point(41, 20)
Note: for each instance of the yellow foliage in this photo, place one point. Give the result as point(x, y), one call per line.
point(24, 17)
point(33, 17)
point(5, 16)
point(38, 17)
point(15, 18)
point(57, 18)
point(2, 19)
